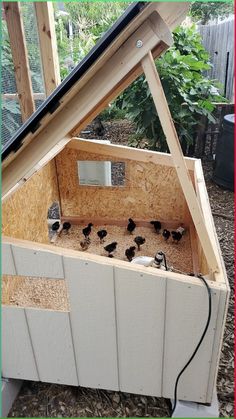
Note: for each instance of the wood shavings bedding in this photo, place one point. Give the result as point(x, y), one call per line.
point(178, 255)
point(35, 292)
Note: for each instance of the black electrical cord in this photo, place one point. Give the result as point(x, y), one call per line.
point(164, 257)
point(199, 343)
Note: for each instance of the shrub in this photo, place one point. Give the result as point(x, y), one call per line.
point(189, 93)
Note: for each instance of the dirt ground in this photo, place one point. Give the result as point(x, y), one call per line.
point(51, 400)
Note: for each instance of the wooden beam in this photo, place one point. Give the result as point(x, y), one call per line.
point(203, 198)
point(126, 153)
point(163, 111)
point(20, 58)
point(48, 45)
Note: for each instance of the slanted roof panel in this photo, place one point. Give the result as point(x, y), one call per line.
point(51, 103)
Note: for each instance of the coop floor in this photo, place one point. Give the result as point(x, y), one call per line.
point(178, 255)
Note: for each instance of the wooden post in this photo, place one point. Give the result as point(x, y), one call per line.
point(163, 111)
point(48, 45)
point(20, 59)
point(49, 55)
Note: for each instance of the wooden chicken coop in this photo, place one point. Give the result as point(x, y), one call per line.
point(81, 318)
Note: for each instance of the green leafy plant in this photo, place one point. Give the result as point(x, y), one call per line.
point(88, 21)
point(189, 94)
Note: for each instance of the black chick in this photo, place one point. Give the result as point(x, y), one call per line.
point(110, 248)
point(139, 240)
point(176, 236)
point(101, 234)
point(166, 234)
point(98, 127)
point(156, 225)
point(131, 225)
point(66, 226)
point(55, 226)
point(87, 230)
point(130, 253)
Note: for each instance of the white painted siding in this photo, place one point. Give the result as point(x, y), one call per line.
point(17, 354)
point(140, 304)
point(8, 267)
point(186, 315)
point(53, 347)
point(91, 291)
point(39, 263)
point(126, 330)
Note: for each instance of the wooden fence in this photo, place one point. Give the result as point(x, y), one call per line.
point(219, 42)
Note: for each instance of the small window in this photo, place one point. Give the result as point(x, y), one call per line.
point(101, 173)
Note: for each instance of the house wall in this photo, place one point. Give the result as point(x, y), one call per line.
point(24, 213)
point(151, 191)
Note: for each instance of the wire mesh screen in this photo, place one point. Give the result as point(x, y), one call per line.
point(11, 114)
point(32, 45)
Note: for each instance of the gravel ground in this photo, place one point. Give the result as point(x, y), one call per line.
point(51, 400)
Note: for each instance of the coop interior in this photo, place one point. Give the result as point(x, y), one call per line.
point(84, 184)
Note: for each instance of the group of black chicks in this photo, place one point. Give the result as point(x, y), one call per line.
point(110, 248)
point(65, 226)
point(139, 240)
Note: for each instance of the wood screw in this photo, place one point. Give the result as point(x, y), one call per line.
point(139, 43)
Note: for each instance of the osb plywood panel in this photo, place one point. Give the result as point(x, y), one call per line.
point(151, 191)
point(24, 214)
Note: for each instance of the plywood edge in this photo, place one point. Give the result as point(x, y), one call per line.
point(124, 152)
point(202, 195)
point(50, 310)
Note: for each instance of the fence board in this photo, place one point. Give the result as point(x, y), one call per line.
point(186, 315)
point(53, 347)
point(91, 293)
point(219, 42)
point(17, 353)
point(140, 303)
point(8, 266)
point(38, 263)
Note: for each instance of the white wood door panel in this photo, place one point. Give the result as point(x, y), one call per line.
point(140, 305)
point(92, 307)
point(53, 347)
